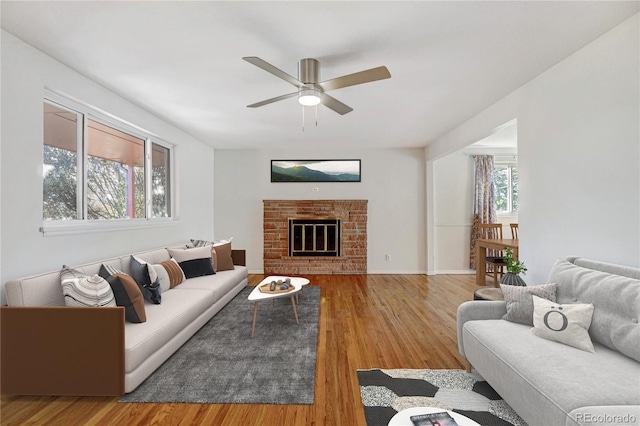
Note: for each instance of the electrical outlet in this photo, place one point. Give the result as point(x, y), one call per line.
point(316, 189)
point(387, 257)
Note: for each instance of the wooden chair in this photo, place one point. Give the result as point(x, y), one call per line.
point(493, 231)
point(514, 230)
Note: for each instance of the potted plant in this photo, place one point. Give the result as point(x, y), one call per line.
point(514, 269)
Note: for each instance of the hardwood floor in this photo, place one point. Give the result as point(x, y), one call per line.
point(366, 321)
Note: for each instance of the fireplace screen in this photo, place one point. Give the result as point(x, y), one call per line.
point(314, 237)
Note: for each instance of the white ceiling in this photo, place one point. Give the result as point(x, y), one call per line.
point(182, 60)
point(504, 137)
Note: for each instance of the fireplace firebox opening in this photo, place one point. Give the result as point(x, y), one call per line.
point(314, 237)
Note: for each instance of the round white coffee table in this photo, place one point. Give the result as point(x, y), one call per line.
point(256, 296)
point(402, 418)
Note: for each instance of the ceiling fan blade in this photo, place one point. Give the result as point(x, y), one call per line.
point(374, 74)
point(334, 104)
point(273, 70)
point(272, 100)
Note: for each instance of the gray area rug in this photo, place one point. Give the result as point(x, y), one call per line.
point(222, 364)
point(385, 392)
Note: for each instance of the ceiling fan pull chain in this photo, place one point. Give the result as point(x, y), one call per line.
point(316, 115)
point(303, 118)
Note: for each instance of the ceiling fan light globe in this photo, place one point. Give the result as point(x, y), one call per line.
point(309, 96)
point(309, 100)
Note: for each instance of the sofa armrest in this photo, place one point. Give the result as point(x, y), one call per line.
point(62, 351)
point(239, 257)
point(478, 310)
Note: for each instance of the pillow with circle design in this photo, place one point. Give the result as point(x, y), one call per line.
point(567, 323)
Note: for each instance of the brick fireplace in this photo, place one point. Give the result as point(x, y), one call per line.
point(352, 218)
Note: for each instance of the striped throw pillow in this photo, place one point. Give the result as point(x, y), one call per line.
point(169, 274)
point(83, 290)
point(176, 276)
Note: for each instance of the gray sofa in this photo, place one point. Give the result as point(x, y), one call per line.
point(549, 383)
point(51, 349)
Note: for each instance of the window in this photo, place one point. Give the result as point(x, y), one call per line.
point(60, 162)
point(160, 172)
point(506, 180)
point(115, 173)
point(96, 168)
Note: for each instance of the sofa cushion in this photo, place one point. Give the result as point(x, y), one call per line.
point(150, 256)
point(219, 285)
point(616, 299)
point(84, 290)
point(519, 300)
point(544, 379)
point(625, 271)
point(568, 323)
point(178, 310)
point(194, 262)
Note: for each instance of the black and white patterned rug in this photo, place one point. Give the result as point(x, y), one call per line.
point(385, 392)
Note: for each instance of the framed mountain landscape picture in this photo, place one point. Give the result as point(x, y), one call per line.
point(315, 170)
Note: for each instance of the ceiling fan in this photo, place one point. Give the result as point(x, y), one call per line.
point(312, 92)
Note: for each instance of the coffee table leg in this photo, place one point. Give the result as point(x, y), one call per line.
point(255, 314)
point(295, 311)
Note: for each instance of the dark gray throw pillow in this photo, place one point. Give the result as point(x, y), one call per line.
point(127, 293)
point(140, 273)
point(520, 300)
point(197, 267)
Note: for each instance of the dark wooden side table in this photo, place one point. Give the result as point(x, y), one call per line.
point(488, 294)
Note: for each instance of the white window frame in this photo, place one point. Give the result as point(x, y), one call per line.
point(81, 224)
point(509, 165)
point(148, 177)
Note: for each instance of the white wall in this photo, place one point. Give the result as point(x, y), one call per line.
point(578, 154)
point(453, 203)
point(586, 199)
point(453, 187)
point(25, 73)
point(392, 181)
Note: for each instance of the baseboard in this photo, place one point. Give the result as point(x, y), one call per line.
point(456, 272)
point(373, 272)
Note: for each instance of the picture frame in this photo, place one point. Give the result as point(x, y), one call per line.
point(316, 171)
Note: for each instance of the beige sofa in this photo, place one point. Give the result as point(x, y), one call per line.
point(51, 349)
